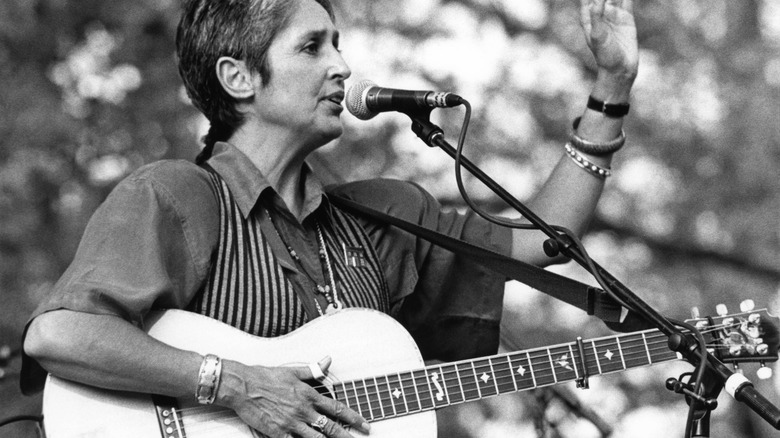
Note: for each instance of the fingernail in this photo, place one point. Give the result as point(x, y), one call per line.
point(365, 427)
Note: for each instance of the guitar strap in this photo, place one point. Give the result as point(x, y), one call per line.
point(590, 299)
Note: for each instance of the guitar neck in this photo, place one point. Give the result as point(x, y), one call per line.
point(442, 385)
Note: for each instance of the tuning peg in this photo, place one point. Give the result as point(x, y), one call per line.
point(754, 318)
point(695, 312)
point(762, 349)
point(721, 310)
point(764, 372)
point(747, 306)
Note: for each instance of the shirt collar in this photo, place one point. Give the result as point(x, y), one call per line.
point(247, 183)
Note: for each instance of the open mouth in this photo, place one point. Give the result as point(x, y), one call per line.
point(336, 98)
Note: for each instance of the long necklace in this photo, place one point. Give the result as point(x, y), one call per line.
point(329, 290)
point(334, 304)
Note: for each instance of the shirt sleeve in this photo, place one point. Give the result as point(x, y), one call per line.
point(450, 305)
point(143, 248)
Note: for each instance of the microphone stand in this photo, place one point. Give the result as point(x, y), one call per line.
point(739, 387)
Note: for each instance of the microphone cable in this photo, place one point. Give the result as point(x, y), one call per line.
point(576, 242)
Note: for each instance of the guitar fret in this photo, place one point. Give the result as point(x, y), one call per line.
point(358, 405)
point(337, 396)
point(574, 363)
point(414, 403)
point(444, 385)
point(552, 366)
point(434, 387)
point(512, 371)
point(460, 383)
point(486, 378)
point(376, 412)
point(493, 372)
point(470, 386)
point(596, 355)
point(620, 349)
point(425, 402)
point(563, 359)
point(635, 352)
point(390, 395)
point(451, 382)
point(430, 392)
point(400, 393)
point(531, 367)
point(400, 403)
point(606, 349)
point(505, 380)
point(647, 349)
point(380, 399)
point(476, 379)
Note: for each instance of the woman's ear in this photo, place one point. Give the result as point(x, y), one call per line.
point(235, 77)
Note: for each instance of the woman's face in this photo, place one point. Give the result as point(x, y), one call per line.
point(307, 74)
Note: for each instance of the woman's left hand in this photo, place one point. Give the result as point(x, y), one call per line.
point(610, 32)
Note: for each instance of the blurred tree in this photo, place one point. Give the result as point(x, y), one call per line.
point(689, 219)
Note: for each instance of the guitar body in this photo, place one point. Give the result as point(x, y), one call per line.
point(362, 343)
point(377, 370)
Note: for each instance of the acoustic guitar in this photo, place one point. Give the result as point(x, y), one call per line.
point(377, 370)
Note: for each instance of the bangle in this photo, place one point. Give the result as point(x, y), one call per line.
point(614, 110)
point(592, 168)
point(595, 148)
point(208, 379)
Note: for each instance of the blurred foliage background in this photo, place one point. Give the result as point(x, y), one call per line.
point(690, 218)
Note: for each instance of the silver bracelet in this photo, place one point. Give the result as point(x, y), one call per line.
point(592, 168)
point(592, 147)
point(208, 379)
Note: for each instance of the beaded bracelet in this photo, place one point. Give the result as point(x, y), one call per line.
point(208, 379)
point(592, 168)
point(595, 148)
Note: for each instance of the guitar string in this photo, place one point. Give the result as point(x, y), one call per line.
point(500, 376)
point(411, 379)
point(543, 374)
point(426, 403)
point(200, 424)
point(544, 357)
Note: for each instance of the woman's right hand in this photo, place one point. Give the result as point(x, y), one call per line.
point(279, 403)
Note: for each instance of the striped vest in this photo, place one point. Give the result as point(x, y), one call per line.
point(248, 289)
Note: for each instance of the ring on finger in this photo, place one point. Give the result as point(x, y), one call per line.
point(320, 423)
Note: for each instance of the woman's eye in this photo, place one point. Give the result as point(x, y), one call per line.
point(311, 47)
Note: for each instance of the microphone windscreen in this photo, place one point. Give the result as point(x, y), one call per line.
point(355, 103)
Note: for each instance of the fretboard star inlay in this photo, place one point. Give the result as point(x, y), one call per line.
point(397, 393)
point(521, 370)
point(564, 362)
point(609, 355)
point(485, 377)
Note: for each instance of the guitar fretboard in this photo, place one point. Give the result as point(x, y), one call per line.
point(437, 386)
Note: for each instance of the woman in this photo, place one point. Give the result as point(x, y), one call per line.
point(249, 237)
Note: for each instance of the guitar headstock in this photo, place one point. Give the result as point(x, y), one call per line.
point(750, 336)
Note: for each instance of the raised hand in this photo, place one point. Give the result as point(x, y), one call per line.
point(610, 32)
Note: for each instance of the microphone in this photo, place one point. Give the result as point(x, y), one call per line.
point(365, 100)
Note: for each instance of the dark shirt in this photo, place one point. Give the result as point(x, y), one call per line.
point(150, 244)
